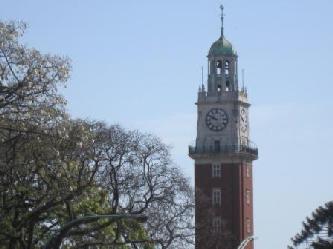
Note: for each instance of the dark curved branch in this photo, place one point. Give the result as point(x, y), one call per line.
point(55, 241)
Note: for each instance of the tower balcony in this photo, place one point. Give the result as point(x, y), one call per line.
point(248, 151)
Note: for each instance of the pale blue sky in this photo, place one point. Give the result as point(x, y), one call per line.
point(138, 63)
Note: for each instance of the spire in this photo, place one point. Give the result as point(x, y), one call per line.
point(222, 17)
point(202, 76)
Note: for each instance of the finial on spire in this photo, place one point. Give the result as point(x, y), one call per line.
point(202, 80)
point(202, 77)
point(222, 17)
point(243, 79)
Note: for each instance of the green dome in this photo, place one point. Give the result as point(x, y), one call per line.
point(221, 47)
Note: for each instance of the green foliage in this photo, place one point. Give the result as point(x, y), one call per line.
point(317, 230)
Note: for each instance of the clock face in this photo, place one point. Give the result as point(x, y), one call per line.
point(243, 119)
point(216, 119)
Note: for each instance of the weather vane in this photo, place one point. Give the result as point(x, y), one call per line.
point(222, 16)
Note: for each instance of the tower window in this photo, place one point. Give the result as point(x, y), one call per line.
point(226, 68)
point(219, 88)
point(217, 146)
point(216, 197)
point(217, 224)
point(227, 85)
point(248, 170)
point(216, 170)
point(248, 225)
point(248, 196)
point(218, 67)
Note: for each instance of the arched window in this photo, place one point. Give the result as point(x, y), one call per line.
point(218, 67)
point(226, 68)
point(227, 85)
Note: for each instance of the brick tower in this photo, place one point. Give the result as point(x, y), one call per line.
point(223, 155)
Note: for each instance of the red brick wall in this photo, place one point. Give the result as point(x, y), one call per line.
point(234, 210)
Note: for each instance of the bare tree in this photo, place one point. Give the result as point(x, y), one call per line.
point(139, 177)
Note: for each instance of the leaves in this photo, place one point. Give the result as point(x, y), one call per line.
point(317, 230)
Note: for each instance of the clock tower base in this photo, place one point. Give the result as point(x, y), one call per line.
point(226, 224)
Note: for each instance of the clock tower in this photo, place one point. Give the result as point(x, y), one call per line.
point(223, 154)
